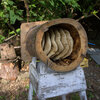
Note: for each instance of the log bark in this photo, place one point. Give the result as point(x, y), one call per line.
point(7, 51)
point(8, 70)
point(31, 43)
point(27, 9)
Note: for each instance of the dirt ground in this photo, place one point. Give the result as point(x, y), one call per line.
point(18, 90)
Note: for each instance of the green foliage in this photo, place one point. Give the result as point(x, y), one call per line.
point(51, 9)
point(90, 95)
point(27, 86)
point(13, 12)
point(97, 65)
point(95, 12)
point(1, 38)
point(88, 6)
point(34, 94)
point(13, 33)
point(10, 13)
point(2, 98)
point(75, 96)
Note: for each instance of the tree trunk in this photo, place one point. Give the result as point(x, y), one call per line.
point(8, 70)
point(7, 51)
point(31, 43)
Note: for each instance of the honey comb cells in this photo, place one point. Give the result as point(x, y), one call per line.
point(60, 43)
point(57, 43)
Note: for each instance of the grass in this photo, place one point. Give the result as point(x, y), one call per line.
point(90, 95)
point(75, 96)
point(27, 86)
point(2, 98)
point(97, 65)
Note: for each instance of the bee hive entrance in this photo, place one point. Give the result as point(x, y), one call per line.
point(58, 44)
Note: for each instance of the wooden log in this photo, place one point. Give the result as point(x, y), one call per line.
point(8, 70)
point(7, 51)
point(31, 43)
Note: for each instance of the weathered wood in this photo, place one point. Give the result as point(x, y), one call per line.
point(30, 94)
point(48, 83)
point(31, 43)
point(82, 95)
point(63, 97)
point(7, 51)
point(8, 71)
point(25, 27)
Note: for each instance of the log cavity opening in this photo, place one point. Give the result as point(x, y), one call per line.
point(61, 43)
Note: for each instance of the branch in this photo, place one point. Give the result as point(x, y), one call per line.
point(97, 16)
point(17, 47)
point(27, 10)
point(10, 37)
point(82, 17)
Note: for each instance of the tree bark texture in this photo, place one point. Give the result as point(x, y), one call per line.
point(32, 37)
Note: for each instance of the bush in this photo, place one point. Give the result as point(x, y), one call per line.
point(13, 12)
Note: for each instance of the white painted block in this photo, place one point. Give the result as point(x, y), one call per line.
point(48, 83)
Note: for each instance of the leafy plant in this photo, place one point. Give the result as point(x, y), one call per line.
point(90, 95)
point(27, 86)
point(88, 6)
point(75, 96)
point(13, 12)
point(1, 38)
point(34, 94)
point(10, 12)
point(51, 9)
point(14, 33)
point(2, 98)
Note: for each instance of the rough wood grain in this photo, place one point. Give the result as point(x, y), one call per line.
point(25, 28)
point(8, 71)
point(43, 42)
point(33, 40)
point(49, 84)
point(7, 51)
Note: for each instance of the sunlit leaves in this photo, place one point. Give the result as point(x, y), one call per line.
point(10, 13)
point(1, 38)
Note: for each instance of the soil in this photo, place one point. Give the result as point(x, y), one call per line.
point(92, 74)
point(18, 89)
point(15, 90)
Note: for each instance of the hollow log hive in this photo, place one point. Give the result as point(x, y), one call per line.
point(57, 43)
point(60, 43)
